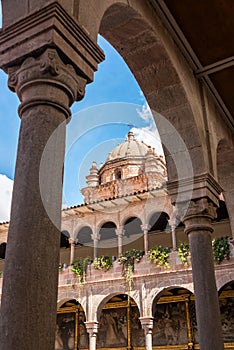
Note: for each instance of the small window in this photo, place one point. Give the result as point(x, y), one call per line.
point(118, 174)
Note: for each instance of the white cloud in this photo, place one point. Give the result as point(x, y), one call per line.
point(6, 187)
point(149, 137)
point(145, 113)
point(148, 134)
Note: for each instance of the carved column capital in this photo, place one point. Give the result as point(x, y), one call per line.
point(95, 236)
point(46, 80)
point(120, 231)
point(92, 328)
point(197, 215)
point(147, 323)
point(71, 240)
point(145, 227)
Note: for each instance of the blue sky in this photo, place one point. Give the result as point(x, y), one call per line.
point(113, 104)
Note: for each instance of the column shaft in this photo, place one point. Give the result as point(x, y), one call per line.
point(206, 295)
point(46, 87)
point(198, 227)
point(147, 325)
point(31, 270)
point(72, 250)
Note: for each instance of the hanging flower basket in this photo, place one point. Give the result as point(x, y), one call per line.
point(103, 263)
point(159, 256)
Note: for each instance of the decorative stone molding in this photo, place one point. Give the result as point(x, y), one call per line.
point(145, 227)
point(92, 328)
point(51, 26)
point(120, 231)
point(35, 76)
point(197, 215)
point(147, 323)
point(200, 186)
point(95, 236)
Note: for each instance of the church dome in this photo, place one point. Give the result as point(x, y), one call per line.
point(129, 148)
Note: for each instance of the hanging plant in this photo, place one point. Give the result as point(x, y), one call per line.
point(127, 259)
point(79, 266)
point(221, 249)
point(184, 253)
point(159, 256)
point(103, 263)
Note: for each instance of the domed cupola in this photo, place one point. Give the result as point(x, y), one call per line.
point(124, 161)
point(130, 167)
point(129, 148)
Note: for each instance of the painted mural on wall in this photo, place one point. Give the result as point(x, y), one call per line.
point(71, 330)
point(170, 325)
point(120, 327)
point(227, 318)
point(137, 333)
point(112, 330)
point(65, 331)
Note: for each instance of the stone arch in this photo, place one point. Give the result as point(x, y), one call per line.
point(103, 221)
point(63, 301)
point(171, 311)
point(107, 243)
point(225, 172)
point(158, 221)
point(156, 293)
point(102, 301)
point(129, 217)
point(224, 279)
point(64, 240)
point(83, 235)
point(132, 224)
point(163, 75)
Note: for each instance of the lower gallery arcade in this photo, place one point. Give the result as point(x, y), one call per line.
point(172, 326)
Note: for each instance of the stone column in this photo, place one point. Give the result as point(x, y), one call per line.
point(173, 225)
point(198, 227)
point(95, 237)
point(46, 88)
point(92, 329)
point(120, 232)
point(72, 249)
point(147, 324)
point(145, 228)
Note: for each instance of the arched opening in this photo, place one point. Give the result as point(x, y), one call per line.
point(70, 327)
point(3, 250)
point(132, 238)
point(226, 302)
point(148, 53)
point(84, 243)
point(174, 318)
point(118, 174)
point(64, 240)
point(107, 244)
point(225, 172)
point(158, 221)
point(119, 324)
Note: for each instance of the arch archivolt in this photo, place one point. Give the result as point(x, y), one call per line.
point(80, 226)
point(105, 220)
point(224, 277)
point(162, 73)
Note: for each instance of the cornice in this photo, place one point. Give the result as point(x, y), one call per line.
point(200, 186)
point(51, 26)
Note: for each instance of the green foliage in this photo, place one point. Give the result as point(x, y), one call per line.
point(159, 256)
point(221, 249)
point(128, 259)
point(183, 252)
point(79, 266)
point(103, 263)
point(1, 274)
